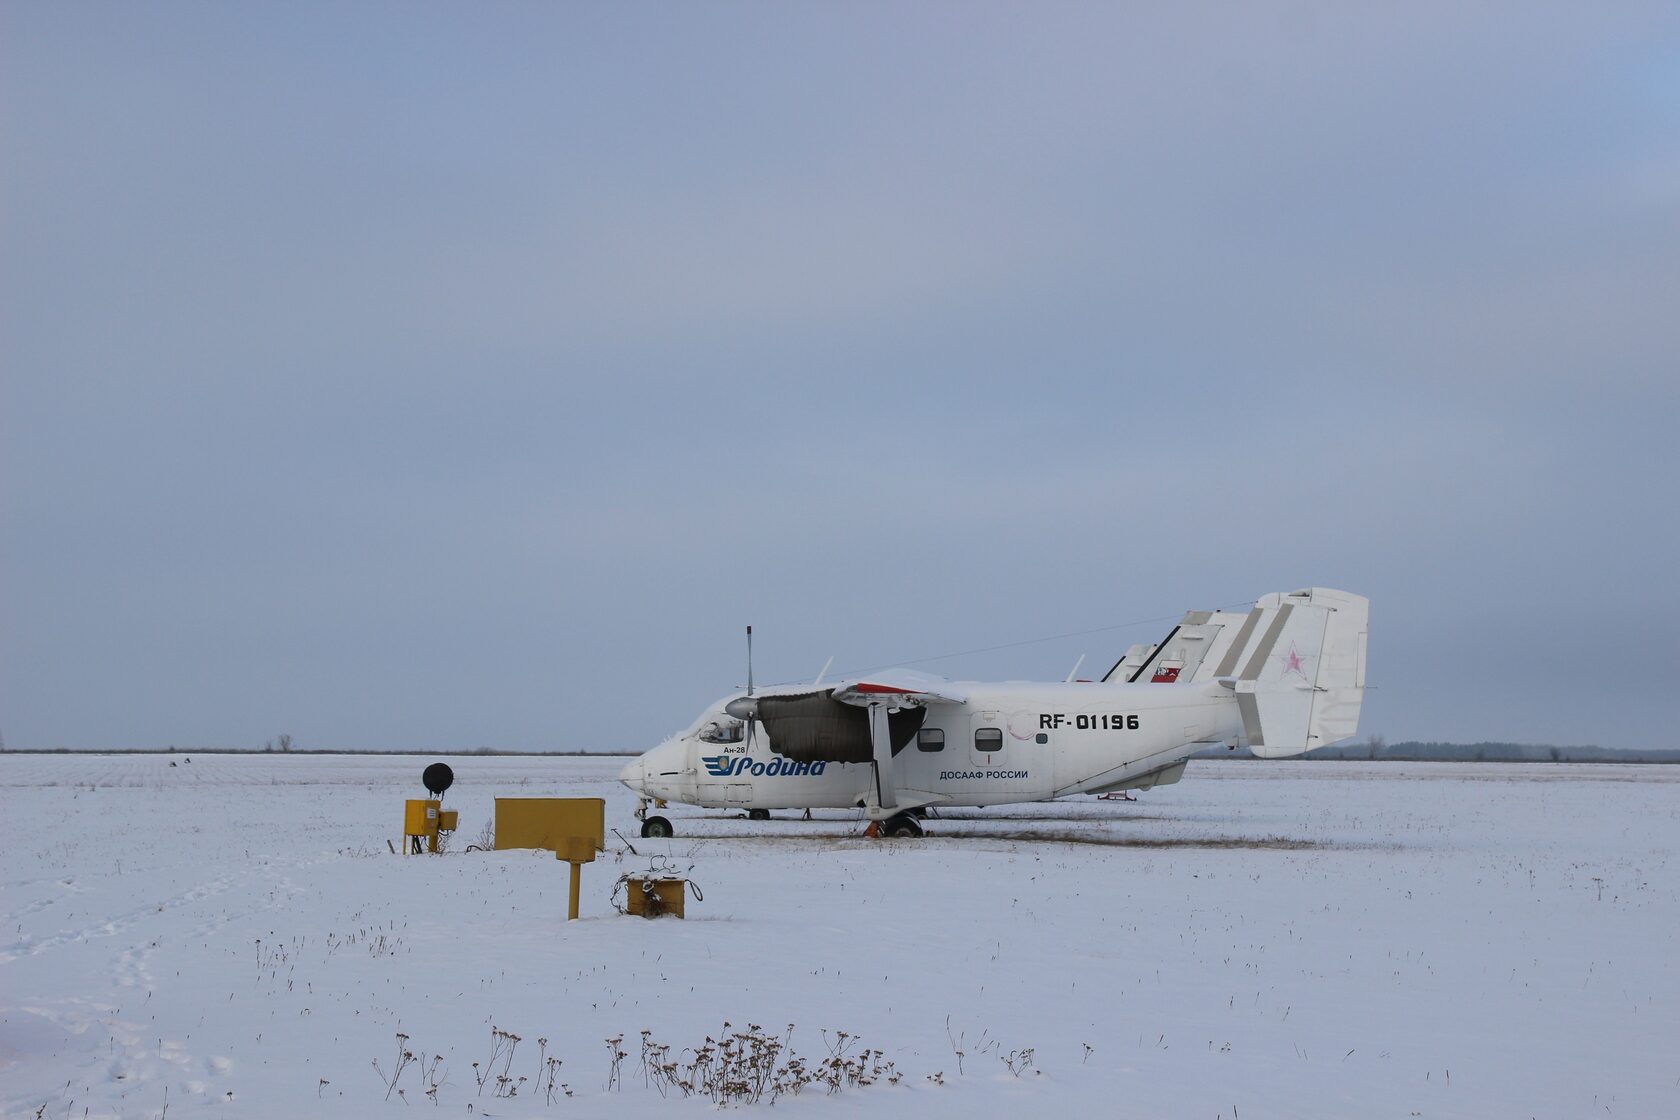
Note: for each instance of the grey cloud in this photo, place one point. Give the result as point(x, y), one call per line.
point(404, 377)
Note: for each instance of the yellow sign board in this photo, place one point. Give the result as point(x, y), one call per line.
point(573, 827)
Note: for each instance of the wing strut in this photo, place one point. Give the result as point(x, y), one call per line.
point(880, 742)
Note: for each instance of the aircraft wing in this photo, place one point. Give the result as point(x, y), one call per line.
point(881, 693)
point(906, 685)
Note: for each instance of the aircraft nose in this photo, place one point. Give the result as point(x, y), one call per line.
point(634, 775)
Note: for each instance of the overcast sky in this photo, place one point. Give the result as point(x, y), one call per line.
point(443, 376)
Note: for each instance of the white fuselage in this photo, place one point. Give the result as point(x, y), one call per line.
point(1010, 742)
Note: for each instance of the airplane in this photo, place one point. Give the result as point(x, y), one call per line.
point(1282, 678)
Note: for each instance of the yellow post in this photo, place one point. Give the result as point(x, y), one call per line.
point(577, 851)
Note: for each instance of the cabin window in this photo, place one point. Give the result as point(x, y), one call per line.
point(988, 738)
point(729, 731)
point(930, 739)
point(1042, 739)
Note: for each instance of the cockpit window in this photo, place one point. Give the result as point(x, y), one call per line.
point(722, 731)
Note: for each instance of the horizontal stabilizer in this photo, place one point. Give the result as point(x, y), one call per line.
point(1281, 716)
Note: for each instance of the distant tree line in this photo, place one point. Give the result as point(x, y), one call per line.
point(1375, 749)
point(486, 751)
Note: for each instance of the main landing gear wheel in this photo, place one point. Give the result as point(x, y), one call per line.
point(903, 826)
point(657, 827)
point(758, 814)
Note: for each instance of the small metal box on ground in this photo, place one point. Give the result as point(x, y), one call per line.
point(654, 898)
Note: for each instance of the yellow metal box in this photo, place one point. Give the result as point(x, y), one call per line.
point(420, 818)
point(447, 819)
point(548, 822)
point(653, 898)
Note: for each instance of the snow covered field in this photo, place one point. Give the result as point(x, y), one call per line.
point(231, 937)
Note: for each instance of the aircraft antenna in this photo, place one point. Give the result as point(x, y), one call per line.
point(749, 661)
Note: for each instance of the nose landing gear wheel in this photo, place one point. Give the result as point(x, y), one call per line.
point(657, 827)
point(902, 826)
point(758, 814)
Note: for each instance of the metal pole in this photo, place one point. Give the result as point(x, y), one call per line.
point(572, 901)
